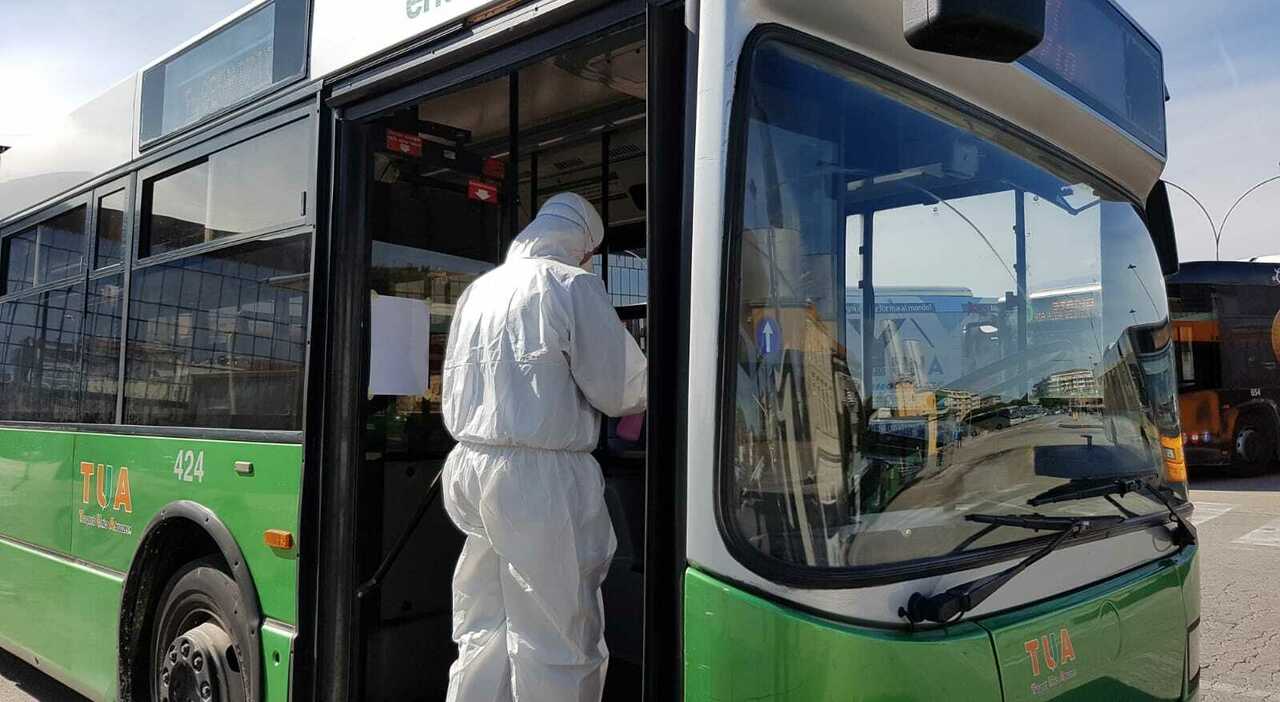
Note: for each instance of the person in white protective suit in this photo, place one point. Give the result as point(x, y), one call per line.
point(536, 354)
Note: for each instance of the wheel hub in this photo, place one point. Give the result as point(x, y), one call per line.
point(195, 666)
point(1248, 445)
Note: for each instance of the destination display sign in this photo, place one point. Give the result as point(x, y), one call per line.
point(1094, 53)
point(255, 52)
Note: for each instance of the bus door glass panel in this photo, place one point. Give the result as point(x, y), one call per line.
point(438, 218)
point(582, 127)
point(444, 201)
point(1197, 337)
point(582, 130)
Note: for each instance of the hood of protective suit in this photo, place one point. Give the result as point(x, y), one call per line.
point(565, 230)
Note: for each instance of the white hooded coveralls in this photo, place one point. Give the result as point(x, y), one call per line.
point(536, 353)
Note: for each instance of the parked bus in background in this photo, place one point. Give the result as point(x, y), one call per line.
point(895, 265)
point(1226, 328)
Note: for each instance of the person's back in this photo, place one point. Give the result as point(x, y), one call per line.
point(510, 353)
point(535, 354)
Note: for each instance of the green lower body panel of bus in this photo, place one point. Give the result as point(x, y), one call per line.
point(1122, 639)
point(77, 507)
point(740, 647)
point(59, 616)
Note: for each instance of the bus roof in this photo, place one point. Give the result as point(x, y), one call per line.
point(340, 37)
point(1226, 273)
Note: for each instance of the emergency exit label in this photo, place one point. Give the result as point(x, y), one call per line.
point(404, 143)
point(482, 192)
point(768, 337)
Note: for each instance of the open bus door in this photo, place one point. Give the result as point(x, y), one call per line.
point(433, 178)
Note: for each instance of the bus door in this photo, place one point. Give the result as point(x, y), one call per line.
point(437, 187)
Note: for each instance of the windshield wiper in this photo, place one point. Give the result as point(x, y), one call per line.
point(1083, 488)
point(1112, 487)
point(948, 606)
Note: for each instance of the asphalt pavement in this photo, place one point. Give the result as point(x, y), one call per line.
point(1239, 524)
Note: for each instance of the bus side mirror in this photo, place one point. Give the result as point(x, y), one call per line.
point(1160, 224)
point(992, 30)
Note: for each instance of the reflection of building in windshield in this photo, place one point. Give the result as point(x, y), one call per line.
point(1068, 384)
point(1070, 303)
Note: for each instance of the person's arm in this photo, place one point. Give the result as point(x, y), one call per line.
point(607, 364)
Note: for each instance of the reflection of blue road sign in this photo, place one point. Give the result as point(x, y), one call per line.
point(768, 337)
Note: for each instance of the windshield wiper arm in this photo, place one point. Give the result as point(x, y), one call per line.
point(1039, 522)
point(1088, 487)
point(1109, 488)
point(1186, 534)
point(948, 606)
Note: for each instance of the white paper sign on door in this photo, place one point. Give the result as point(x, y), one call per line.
point(399, 345)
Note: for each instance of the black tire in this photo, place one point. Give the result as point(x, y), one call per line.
point(1254, 449)
point(199, 646)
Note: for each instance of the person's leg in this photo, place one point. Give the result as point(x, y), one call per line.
point(548, 521)
point(482, 671)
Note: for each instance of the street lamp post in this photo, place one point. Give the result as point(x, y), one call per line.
point(1217, 229)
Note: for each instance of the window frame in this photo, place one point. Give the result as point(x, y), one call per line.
point(37, 218)
point(125, 185)
point(190, 157)
point(302, 233)
point(761, 564)
point(306, 225)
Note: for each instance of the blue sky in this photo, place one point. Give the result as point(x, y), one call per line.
point(1224, 117)
point(1224, 122)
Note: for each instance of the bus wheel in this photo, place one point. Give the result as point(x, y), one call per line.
point(195, 657)
point(1255, 448)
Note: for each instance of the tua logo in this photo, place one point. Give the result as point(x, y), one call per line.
point(1044, 648)
point(107, 485)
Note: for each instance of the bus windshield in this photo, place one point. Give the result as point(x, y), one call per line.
point(932, 320)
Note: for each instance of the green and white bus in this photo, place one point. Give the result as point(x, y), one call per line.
point(227, 284)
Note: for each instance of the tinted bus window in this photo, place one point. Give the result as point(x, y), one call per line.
point(252, 187)
point(102, 331)
point(51, 250)
point(219, 339)
point(61, 246)
point(40, 356)
point(20, 261)
point(109, 239)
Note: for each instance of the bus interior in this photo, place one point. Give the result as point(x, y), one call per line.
point(451, 180)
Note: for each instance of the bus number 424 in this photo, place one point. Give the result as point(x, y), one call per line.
point(189, 466)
